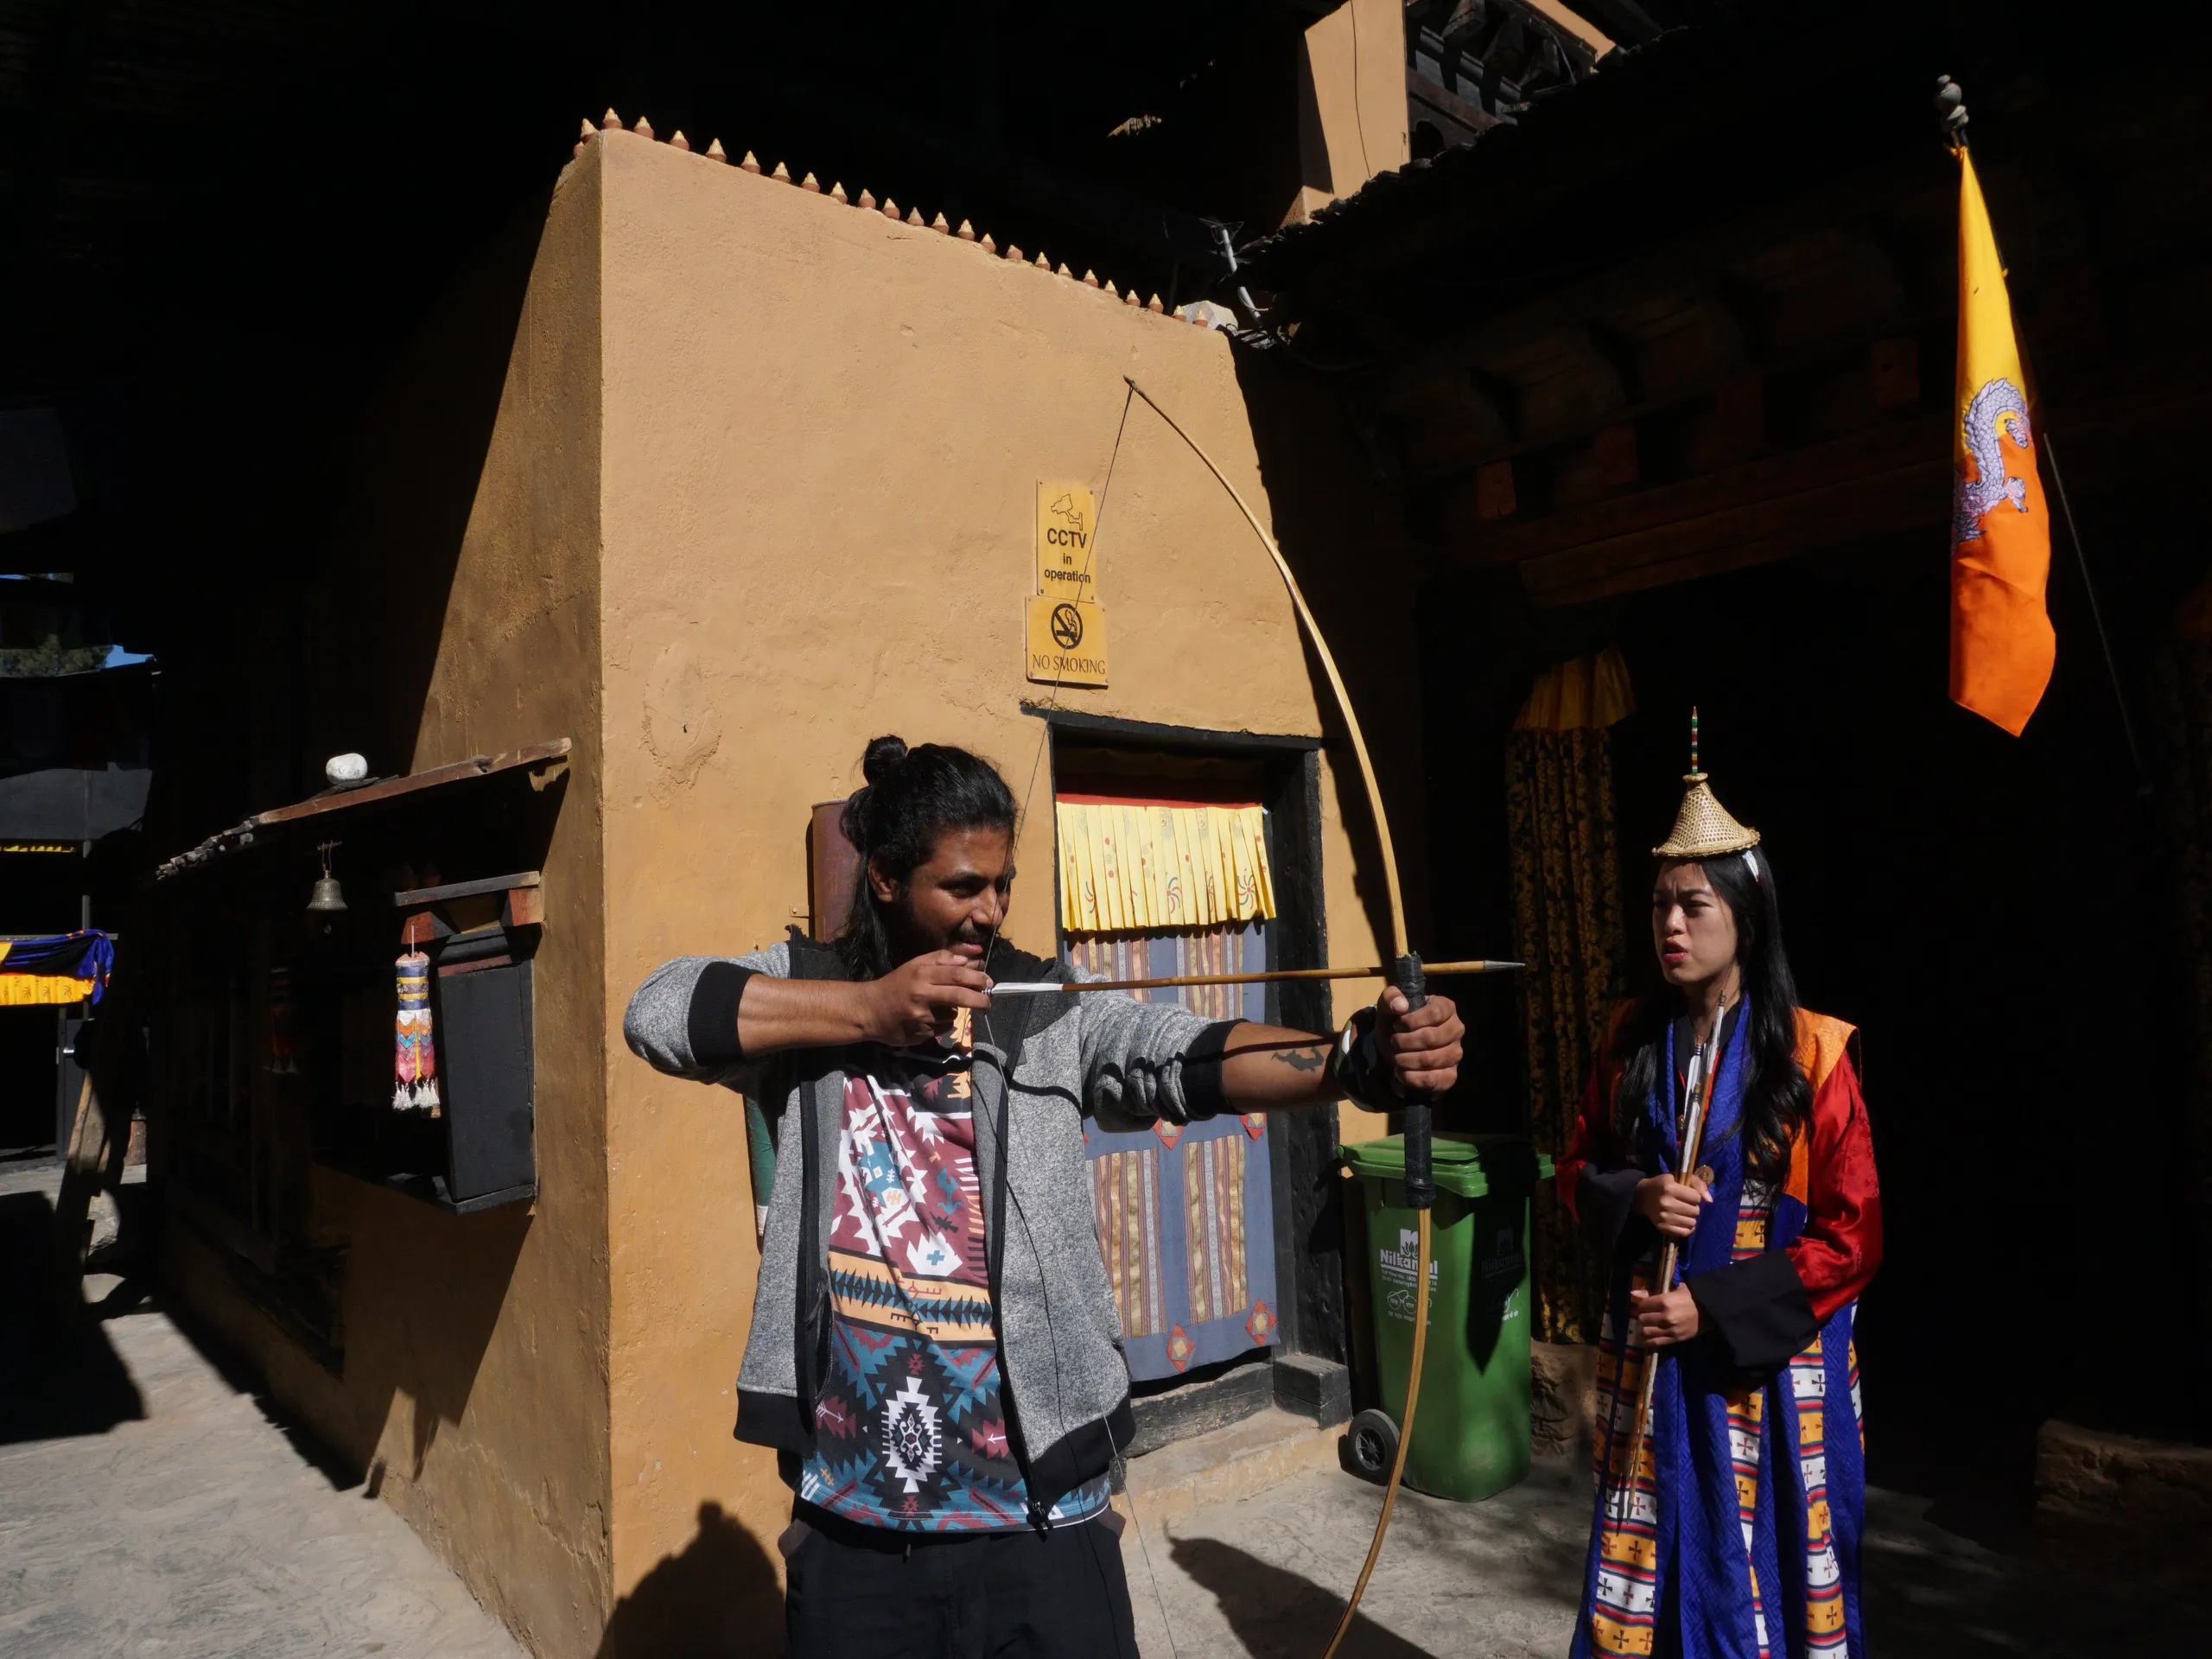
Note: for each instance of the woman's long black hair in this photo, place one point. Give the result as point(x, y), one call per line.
point(912, 797)
point(1777, 1098)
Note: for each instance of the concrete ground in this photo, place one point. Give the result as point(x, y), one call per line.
point(1498, 1579)
point(149, 1506)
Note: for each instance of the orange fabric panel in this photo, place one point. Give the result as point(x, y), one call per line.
point(1821, 1042)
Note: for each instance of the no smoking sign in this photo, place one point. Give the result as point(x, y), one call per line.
point(1066, 642)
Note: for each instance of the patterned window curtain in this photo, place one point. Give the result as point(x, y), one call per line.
point(1567, 922)
point(1185, 1212)
point(2181, 730)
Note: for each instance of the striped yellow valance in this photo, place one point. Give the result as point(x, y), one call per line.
point(1158, 864)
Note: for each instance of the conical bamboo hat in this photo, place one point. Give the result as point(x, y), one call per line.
point(1704, 828)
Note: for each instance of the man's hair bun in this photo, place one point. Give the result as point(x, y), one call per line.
point(912, 797)
point(882, 759)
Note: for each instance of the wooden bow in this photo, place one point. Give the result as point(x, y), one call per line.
point(1405, 973)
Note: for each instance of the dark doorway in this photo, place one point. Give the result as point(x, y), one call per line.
point(27, 1080)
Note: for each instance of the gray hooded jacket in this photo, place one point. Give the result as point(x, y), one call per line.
point(1041, 1063)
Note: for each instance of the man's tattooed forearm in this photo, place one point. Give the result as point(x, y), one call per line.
point(1302, 1059)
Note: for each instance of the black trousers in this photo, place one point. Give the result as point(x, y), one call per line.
point(858, 1593)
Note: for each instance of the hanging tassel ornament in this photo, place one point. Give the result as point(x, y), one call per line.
point(415, 1058)
point(283, 1024)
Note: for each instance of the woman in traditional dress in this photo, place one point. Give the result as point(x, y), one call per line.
point(1728, 1527)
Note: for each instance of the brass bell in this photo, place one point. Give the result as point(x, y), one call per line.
point(329, 895)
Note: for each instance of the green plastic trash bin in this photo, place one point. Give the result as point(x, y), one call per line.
point(1470, 1431)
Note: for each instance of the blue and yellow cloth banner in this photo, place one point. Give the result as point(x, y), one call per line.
point(1132, 864)
point(55, 969)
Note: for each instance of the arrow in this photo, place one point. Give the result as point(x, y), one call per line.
point(1044, 987)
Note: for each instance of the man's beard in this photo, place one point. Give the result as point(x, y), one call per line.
point(910, 939)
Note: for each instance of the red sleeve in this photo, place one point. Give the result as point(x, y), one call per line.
point(1841, 1244)
point(1592, 1141)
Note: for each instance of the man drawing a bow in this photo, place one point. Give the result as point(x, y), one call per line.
point(934, 1350)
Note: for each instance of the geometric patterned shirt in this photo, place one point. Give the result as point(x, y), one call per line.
point(910, 1429)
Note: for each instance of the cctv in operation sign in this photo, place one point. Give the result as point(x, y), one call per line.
point(1065, 635)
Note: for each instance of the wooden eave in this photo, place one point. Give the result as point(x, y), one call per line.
point(335, 808)
point(1891, 478)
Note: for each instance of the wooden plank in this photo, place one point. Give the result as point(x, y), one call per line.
point(1870, 484)
point(1471, 118)
point(1773, 478)
point(73, 1206)
point(1717, 562)
point(480, 766)
point(1690, 262)
point(1853, 510)
point(415, 898)
point(1450, 452)
point(549, 757)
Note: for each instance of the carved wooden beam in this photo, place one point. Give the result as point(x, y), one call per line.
point(1894, 477)
point(1654, 523)
point(1915, 494)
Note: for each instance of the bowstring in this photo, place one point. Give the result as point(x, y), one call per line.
point(990, 943)
point(1052, 697)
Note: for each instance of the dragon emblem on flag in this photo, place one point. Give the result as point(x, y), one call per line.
point(1997, 411)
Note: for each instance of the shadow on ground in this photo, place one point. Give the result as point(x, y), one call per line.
point(1276, 1613)
point(58, 1379)
point(1929, 1594)
point(719, 1597)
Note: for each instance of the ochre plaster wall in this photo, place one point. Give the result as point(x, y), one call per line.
point(823, 430)
point(1351, 99)
point(474, 1387)
point(517, 663)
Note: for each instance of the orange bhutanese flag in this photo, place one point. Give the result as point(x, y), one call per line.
point(2001, 644)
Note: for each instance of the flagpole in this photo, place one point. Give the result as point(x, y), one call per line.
point(1951, 114)
point(2097, 615)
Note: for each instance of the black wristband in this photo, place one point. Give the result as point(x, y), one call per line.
point(1203, 1094)
point(1353, 1062)
point(710, 1026)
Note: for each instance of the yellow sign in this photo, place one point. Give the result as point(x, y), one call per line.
point(1067, 518)
point(1067, 642)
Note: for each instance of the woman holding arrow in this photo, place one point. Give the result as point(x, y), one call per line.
point(1723, 1162)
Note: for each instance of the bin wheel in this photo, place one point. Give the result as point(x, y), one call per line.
point(1372, 1443)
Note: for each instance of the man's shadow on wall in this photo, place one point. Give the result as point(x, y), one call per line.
point(718, 1598)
